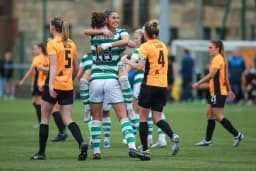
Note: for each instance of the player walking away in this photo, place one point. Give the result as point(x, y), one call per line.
point(219, 88)
point(154, 59)
point(63, 69)
point(39, 67)
point(135, 79)
point(104, 86)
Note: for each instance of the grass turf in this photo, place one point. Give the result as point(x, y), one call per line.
point(19, 140)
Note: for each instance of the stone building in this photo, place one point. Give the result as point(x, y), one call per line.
point(22, 20)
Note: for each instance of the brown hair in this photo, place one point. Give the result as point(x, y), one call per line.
point(108, 12)
point(61, 26)
point(152, 28)
point(42, 47)
point(219, 44)
point(98, 20)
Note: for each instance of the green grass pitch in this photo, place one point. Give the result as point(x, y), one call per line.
point(19, 140)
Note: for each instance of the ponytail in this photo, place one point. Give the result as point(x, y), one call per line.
point(219, 44)
point(65, 31)
point(61, 26)
point(152, 28)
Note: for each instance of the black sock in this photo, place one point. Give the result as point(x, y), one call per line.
point(75, 130)
point(43, 136)
point(144, 135)
point(59, 122)
point(38, 111)
point(210, 129)
point(165, 127)
point(227, 124)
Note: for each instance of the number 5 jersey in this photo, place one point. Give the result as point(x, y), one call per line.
point(65, 52)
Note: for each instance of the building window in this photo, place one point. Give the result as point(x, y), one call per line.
point(207, 33)
point(143, 11)
point(218, 33)
point(174, 33)
point(128, 13)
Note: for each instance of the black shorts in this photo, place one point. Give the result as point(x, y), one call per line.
point(217, 101)
point(64, 97)
point(152, 97)
point(36, 91)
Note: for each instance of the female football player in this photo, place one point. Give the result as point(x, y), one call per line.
point(39, 67)
point(154, 59)
point(219, 88)
point(136, 78)
point(104, 86)
point(63, 69)
point(122, 39)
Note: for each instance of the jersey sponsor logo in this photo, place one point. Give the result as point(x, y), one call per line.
point(60, 73)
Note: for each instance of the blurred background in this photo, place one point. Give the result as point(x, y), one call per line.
point(186, 27)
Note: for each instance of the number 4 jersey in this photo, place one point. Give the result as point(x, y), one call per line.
point(106, 63)
point(65, 52)
point(155, 53)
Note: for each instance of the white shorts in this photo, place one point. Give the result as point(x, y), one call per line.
point(105, 90)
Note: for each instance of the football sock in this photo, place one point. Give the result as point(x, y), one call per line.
point(84, 93)
point(150, 126)
point(43, 136)
point(210, 129)
point(160, 132)
point(128, 133)
point(75, 130)
point(126, 91)
point(144, 135)
point(227, 124)
point(89, 128)
point(96, 135)
point(38, 111)
point(59, 122)
point(106, 125)
point(165, 127)
point(135, 121)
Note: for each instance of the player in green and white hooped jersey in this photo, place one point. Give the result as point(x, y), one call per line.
point(122, 72)
point(138, 78)
point(83, 76)
point(123, 36)
point(104, 85)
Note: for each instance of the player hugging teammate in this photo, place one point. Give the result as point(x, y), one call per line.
point(138, 101)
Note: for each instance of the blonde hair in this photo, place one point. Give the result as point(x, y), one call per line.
point(152, 28)
point(65, 31)
point(139, 31)
point(61, 26)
